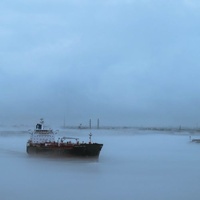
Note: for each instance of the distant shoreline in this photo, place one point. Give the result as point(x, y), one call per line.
point(25, 128)
point(166, 129)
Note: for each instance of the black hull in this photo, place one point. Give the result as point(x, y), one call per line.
point(81, 150)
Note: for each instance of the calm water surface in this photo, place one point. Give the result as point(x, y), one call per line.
point(132, 165)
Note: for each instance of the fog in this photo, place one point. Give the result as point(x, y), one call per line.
point(133, 164)
point(127, 62)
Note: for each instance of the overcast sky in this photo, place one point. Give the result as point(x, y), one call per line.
point(126, 62)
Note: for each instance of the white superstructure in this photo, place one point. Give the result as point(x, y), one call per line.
point(41, 135)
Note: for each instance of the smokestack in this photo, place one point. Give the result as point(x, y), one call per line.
point(97, 123)
point(90, 124)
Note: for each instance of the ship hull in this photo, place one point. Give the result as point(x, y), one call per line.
point(80, 150)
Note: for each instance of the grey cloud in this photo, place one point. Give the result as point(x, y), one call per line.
point(133, 62)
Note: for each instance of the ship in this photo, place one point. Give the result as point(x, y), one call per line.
point(43, 142)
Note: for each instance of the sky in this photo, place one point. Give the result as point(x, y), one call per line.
point(126, 62)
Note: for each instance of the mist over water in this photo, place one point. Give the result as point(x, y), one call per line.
point(132, 165)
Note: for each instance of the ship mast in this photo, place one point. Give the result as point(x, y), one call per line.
point(90, 138)
point(42, 122)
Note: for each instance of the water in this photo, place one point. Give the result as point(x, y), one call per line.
point(132, 165)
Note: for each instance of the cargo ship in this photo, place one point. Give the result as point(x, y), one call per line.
point(43, 142)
